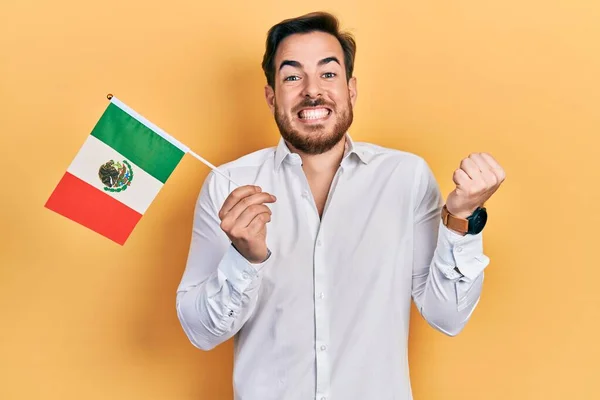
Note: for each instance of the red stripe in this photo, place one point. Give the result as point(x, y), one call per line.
point(87, 205)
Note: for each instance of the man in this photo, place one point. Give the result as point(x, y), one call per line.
point(319, 301)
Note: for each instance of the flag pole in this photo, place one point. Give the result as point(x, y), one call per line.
point(212, 167)
point(109, 96)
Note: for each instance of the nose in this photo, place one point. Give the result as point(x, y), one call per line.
point(312, 89)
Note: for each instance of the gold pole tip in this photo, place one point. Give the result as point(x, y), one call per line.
point(109, 96)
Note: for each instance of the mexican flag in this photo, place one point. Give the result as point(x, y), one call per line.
point(117, 173)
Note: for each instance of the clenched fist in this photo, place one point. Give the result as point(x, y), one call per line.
point(244, 217)
point(478, 177)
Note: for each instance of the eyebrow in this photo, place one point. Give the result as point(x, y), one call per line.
point(296, 64)
point(291, 63)
point(328, 60)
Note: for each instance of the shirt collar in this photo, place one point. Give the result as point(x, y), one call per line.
point(283, 153)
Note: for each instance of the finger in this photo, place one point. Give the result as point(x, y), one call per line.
point(491, 161)
point(488, 175)
point(460, 178)
point(480, 162)
point(249, 213)
point(243, 204)
point(470, 168)
point(258, 223)
point(235, 196)
point(494, 166)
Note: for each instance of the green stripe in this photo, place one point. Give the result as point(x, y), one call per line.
point(137, 143)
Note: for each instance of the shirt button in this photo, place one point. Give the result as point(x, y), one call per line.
point(322, 295)
point(245, 276)
point(323, 398)
point(319, 243)
point(305, 194)
point(323, 348)
point(458, 249)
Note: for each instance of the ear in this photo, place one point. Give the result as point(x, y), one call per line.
point(352, 90)
point(270, 97)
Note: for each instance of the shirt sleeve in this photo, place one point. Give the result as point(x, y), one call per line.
point(447, 267)
point(461, 256)
point(219, 288)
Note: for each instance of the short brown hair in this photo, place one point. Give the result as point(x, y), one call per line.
point(313, 22)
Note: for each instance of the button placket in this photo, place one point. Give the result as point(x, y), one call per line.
point(315, 225)
point(321, 317)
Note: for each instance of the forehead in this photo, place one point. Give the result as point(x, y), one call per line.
point(308, 48)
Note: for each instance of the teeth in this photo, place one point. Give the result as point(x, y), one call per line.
point(314, 113)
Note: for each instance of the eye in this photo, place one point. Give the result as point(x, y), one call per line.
point(329, 75)
point(291, 78)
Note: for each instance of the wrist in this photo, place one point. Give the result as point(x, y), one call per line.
point(467, 222)
point(252, 258)
point(464, 213)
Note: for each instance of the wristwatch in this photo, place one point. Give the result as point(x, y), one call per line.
point(472, 225)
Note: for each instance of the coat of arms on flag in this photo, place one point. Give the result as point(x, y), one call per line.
point(116, 176)
point(117, 173)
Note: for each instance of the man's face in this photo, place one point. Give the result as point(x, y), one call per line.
point(312, 100)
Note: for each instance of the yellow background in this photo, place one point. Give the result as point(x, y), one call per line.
point(83, 318)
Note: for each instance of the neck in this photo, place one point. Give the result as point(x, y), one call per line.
point(315, 164)
point(320, 169)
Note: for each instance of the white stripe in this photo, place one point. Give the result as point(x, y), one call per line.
point(149, 124)
point(93, 154)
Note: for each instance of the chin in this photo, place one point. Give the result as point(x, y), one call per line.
point(315, 130)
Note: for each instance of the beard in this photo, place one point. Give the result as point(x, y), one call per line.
point(317, 140)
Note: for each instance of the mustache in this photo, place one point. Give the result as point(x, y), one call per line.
point(312, 103)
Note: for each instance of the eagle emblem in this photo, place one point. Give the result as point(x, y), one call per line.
point(116, 176)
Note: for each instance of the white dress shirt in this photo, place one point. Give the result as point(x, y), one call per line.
point(326, 316)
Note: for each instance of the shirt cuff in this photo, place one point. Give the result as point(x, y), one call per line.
point(463, 252)
point(239, 271)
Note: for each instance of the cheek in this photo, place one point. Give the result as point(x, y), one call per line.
point(283, 98)
point(339, 94)
point(285, 106)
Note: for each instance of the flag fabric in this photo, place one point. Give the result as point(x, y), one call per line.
point(117, 173)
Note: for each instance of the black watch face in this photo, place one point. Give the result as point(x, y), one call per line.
point(477, 221)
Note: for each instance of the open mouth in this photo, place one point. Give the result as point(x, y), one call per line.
point(314, 114)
